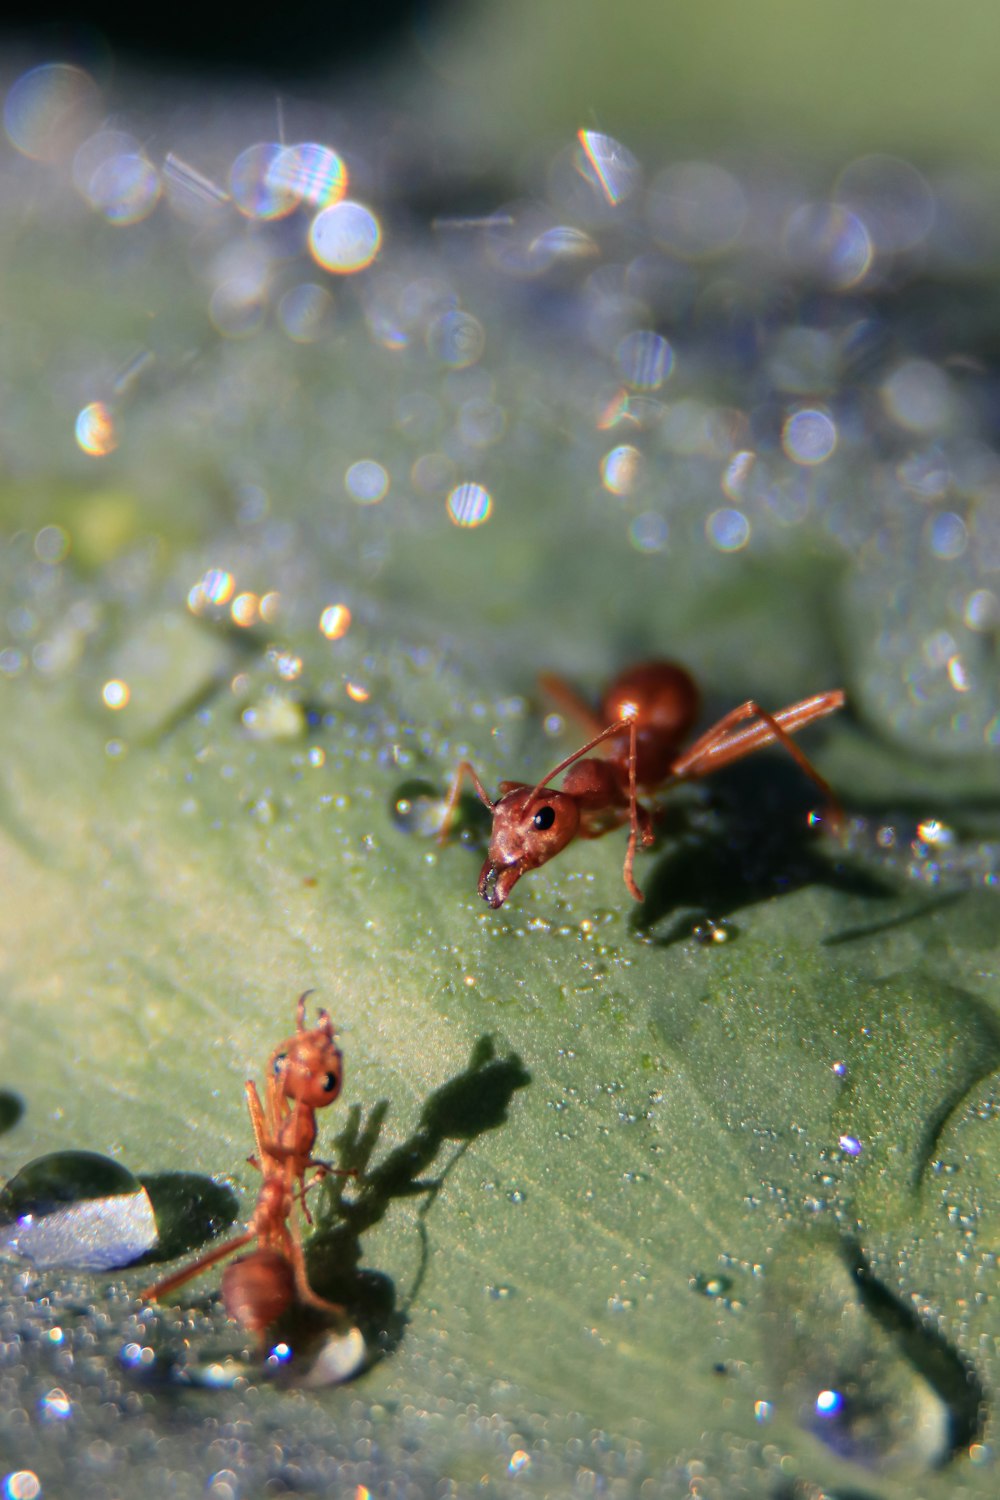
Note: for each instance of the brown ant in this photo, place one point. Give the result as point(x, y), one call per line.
point(645, 715)
point(305, 1073)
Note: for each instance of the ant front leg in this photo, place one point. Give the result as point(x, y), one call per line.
point(633, 811)
point(597, 787)
point(465, 768)
point(720, 746)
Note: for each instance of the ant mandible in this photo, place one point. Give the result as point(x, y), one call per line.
point(645, 716)
point(305, 1073)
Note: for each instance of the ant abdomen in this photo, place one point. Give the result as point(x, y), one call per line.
point(660, 695)
point(257, 1288)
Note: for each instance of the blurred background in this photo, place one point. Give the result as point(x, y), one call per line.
point(832, 80)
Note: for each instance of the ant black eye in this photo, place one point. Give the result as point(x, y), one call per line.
point(279, 1064)
point(330, 1083)
point(544, 818)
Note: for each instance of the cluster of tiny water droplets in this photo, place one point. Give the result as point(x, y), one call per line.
point(927, 850)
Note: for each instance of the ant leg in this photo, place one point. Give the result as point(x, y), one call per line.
point(329, 1170)
point(569, 701)
point(189, 1272)
point(305, 1292)
point(639, 821)
point(719, 746)
point(466, 768)
point(260, 1134)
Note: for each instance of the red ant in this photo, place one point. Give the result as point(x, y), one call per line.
point(305, 1073)
point(645, 715)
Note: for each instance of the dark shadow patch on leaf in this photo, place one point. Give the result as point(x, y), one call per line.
point(927, 1350)
point(190, 1209)
point(475, 1101)
point(11, 1109)
point(745, 842)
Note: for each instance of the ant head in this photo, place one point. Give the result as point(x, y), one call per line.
point(530, 825)
point(309, 1066)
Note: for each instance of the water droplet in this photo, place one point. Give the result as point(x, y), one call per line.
point(417, 807)
point(858, 1369)
point(517, 1195)
point(342, 1356)
point(712, 931)
point(75, 1208)
point(274, 717)
point(55, 1405)
point(21, 1484)
point(710, 1286)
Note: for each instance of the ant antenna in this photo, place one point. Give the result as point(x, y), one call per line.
point(605, 734)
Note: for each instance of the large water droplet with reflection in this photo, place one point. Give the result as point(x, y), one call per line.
point(417, 807)
point(76, 1209)
point(858, 1369)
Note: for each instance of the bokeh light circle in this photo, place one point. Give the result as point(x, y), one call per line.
point(620, 468)
point(367, 482)
point(891, 198)
point(335, 621)
point(456, 338)
point(829, 241)
point(345, 238)
point(22, 1484)
point(237, 307)
point(255, 192)
point(50, 109)
point(696, 209)
point(649, 532)
point(310, 173)
point(305, 312)
point(113, 174)
point(947, 535)
point(727, 529)
point(125, 189)
point(809, 436)
point(95, 430)
point(645, 359)
point(917, 395)
point(469, 504)
point(607, 165)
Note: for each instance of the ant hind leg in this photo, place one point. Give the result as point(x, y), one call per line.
point(724, 742)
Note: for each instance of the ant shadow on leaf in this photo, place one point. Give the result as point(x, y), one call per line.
point(456, 1114)
point(741, 842)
